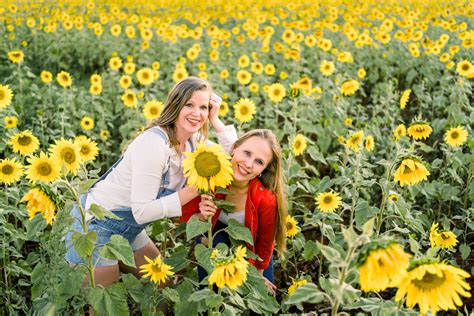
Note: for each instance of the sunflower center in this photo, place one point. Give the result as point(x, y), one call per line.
point(297, 144)
point(153, 110)
point(289, 226)
point(454, 135)
point(68, 155)
point(465, 67)
point(244, 110)
point(85, 150)
point(145, 75)
point(327, 200)
point(276, 92)
point(156, 268)
point(2, 95)
point(429, 281)
point(44, 169)
point(64, 78)
point(24, 140)
point(130, 97)
point(445, 236)
point(87, 122)
point(207, 164)
point(7, 170)
point(406, 170)
point(16, 55)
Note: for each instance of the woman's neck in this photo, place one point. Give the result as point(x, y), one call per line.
point(240, 186)
point(182, 137)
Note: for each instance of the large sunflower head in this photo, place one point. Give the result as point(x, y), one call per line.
point(88, 148)
point(24, 143)
point(349, 87)
point(208, 167)
point(10, 171)
point(43, 168)
point(244, 110)
point(129, 99)
point(46, 76)
point(145, 76)
point(6, 96)
point(328, 201)
point(64, 79)
point(456, 136)
point(410, 171)
point(291, 226)
point(419, 131)
point(230, 271)
point(465, 68)
point(276, 92)
point(152, 109)
point(244, 77)
point(445, 239)
point(156, 270)
point(327, 68)
point(68, 153)
point(38, 201)
point(115, 63)
point(16, 56)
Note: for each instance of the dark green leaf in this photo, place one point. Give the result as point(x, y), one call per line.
point(118, 248)
point(111, 300)
point(239, 231)
point(195, 227)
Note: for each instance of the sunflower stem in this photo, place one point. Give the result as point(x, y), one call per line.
point(321, 256)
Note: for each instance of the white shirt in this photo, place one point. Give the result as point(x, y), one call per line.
point(238, 216)
point(136, 179)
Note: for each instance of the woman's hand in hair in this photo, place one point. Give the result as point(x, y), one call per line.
point(214, 104)
point(207, 207)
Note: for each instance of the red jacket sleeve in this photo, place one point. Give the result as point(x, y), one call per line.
point(264, 243)
point(189, 209)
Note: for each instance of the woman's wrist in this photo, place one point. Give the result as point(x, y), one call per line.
point(217, 124)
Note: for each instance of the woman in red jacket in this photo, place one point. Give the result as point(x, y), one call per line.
point(258, 196)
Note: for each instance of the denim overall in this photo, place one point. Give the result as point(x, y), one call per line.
point(127, 227)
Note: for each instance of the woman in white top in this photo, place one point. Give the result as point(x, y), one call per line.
point(147, 183)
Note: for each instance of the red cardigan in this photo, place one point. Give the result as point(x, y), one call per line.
point(260, 218)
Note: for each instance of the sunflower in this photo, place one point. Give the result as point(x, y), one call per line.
point(129, 68)
point(231, 272)
point(39, 202)
point(87, 123)
point(400, 131)
point(115, 63)
point(445, 239)
point(152, 109)
point(295, 285)
point(46, 76)
point(68, 153)
point(348, 121)
point(410, 171)
point(6, 96)
point(10, 121)
point(64, 79)
point(294, 90)
point(354, 141)
point(208, 167)
point(125, 82)
point(419, 131)
point(244, 77)
point(180, 74)
point(465, 68)
point(383, 266)
point(404, 98)
point(156, 270)
point(349, 87)
point(10, 171)
point(361, 73)
point(223, 109)
point(244, 110)
point(224, 74)
point(328, 201)
point(369, 143)
point(299, 144)
point(129, 99)
point(145, 76)
point(433, 286)
point(327, 68)
point(276, 92)
point(95, 89)
point(456, 136)
point(244, 61)
point(95, 79)
point(43, 168)
point(291, 226)
point(393, 197)
point(24, 143)
point(16, 56)
point(88, 148)
point(104, 134)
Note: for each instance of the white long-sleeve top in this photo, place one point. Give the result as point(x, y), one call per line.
point(135, 181)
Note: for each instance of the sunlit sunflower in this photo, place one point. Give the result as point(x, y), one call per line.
point(180, 74)
point(10, 171)
point(404, 98)
point(354, 141)
point(231, 272)
point(348, 121)
point(393, 197)
point(328, 201)
point(87, 123)
point(68, 153)
point(39, 202)
point(88, 148)
point(369, 143)
point(145, 76)
point(10, 121)
point(445, 239)
point(16, 56)
point(327, 68)
point(295, 285)
point(223, 109)
point(400, 131)
point(152, 109)
point(95, 79)
point(208, 167)
point(115, 63)
point(156, 270)
point(361, 73)
point(276, 92)
point(125, 82)
point(291, 226)
point(46, 76)
point(299, 144)
point(95, 89)
point(64, 79)
point(433, 286)
point(465, 68)
point(349, 87)
point(244, 77)
point(43, 168)
point(104, 134)
point(6, 96)
point(244, 110)
point(129, 99)
point(24, 143)
point(456, 136)
point(382, 266)
point(410, 171)
point(419, 131)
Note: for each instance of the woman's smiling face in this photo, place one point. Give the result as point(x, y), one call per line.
point(251, 158)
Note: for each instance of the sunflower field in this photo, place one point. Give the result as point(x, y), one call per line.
point(372, 102)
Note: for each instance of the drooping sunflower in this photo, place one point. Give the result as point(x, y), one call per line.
point(400, 132)
point(369, 143)
point(327, 68)
point(64, 79)
point(328, 201)
point(88, 148)
point(445, 239)
point(231, 272)
point(433, 286)
point(276, 92)
point(244, 77)
point(16, 56)
point(6, 96)
point(299, 144)
point(410, 171)
point(145, 76)
point(291, 226)
point(10, 121)
point(39, 202)
point(244, 110)
point(208, 167)
point(465, 68)
point(404, 98)
point(419, 131)
point(456, 136)
point(24, 143)
point(87, 123)
point(46, 76)
point(10, 171)
point(295, 285)
point(349, 87)
point(354, 141)
point(43, 168)
point(152, 109)
point(382, 265)
point(129, 99)
point(68, 153)
point(156, 270)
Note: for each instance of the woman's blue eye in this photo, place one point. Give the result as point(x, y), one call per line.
point(204, 107)
point(260, 162)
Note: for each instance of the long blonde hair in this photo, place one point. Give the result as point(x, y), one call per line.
point(272, 179)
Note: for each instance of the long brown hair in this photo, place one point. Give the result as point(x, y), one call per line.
point(272, 179)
